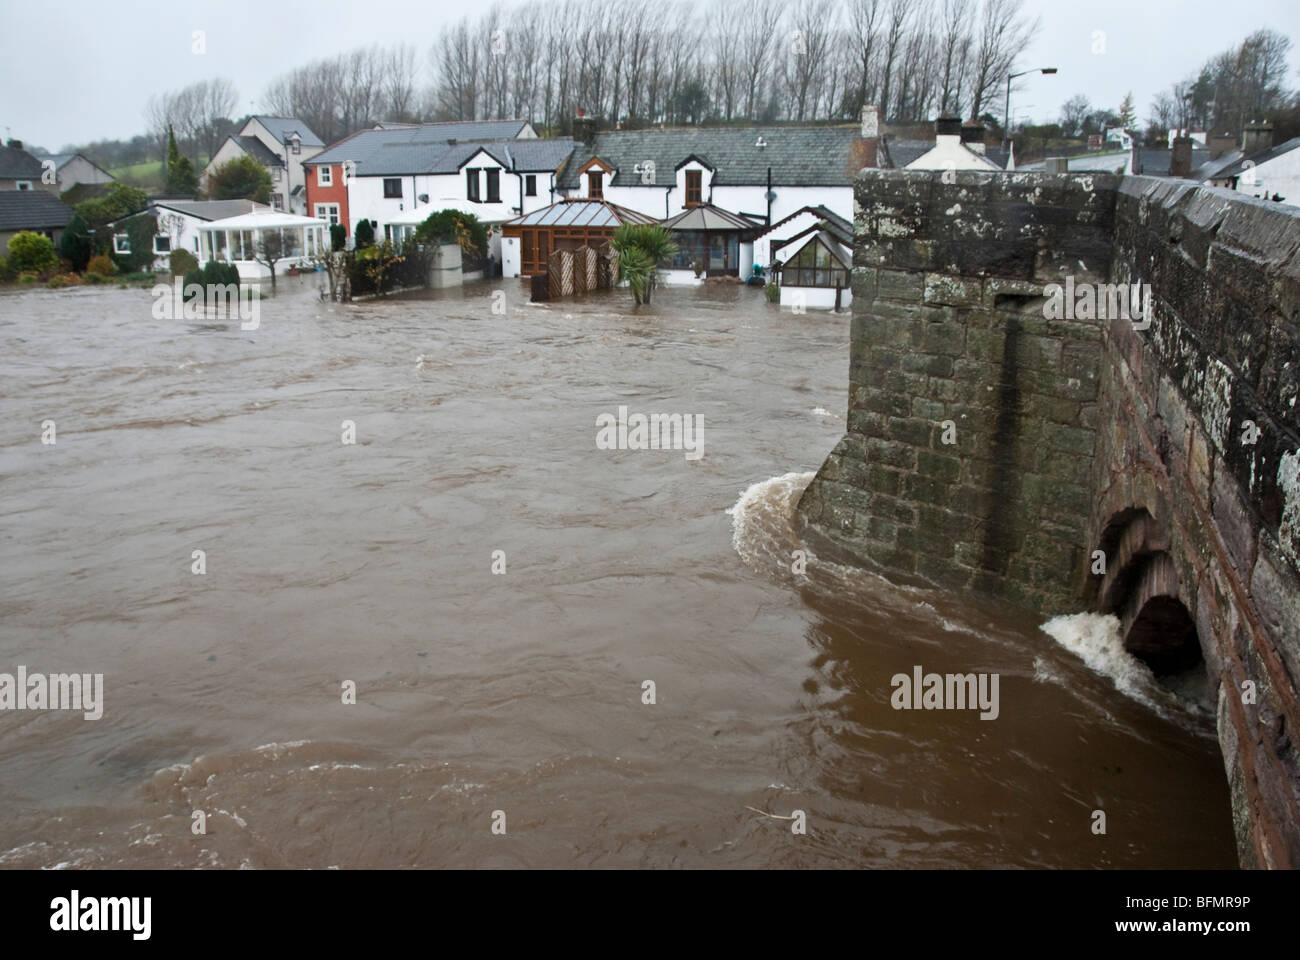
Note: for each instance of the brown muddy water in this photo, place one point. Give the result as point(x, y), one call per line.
point(521, 692)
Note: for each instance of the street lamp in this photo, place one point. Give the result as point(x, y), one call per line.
point(1006, 114)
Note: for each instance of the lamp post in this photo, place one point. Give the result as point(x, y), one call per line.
point(1006, 113)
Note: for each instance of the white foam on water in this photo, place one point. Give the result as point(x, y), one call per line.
point(762, 510)
point(1095, 639)
point(822, 412)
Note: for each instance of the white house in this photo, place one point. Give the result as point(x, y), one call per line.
point(814, 269)
point(395, 178)
point(178, 225)
point(796, 225)
point(761, 174)
point(282, 145)
point(238, 240)
point(1272, 174)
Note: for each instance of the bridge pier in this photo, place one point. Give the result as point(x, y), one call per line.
point(997, 445)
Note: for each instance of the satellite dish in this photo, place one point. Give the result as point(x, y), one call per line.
point(769, 196)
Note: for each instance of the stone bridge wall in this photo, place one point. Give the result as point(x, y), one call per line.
point(995, 446)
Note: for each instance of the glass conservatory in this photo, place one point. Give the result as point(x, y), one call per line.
point(240, 240)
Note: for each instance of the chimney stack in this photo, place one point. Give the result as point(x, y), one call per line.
point(1256, 138)
point(1180, 160)
point(1221, 143)
point(16, 144)
point(947, 126)
point(584, 128)
point(870, 121)
point(972, 135)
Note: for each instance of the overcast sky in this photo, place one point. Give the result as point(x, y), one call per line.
point(74, 71)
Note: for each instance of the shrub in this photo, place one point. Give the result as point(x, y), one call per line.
point(214, 273)
point(452, 226)
point(240, 179)
point(773, 292)
point(5, 273)
point(31, 251)
point(182, 262)
point(365, 235)
point(94, 278)
point(640, 249)
point(64, 280)
point(74, 245)
point(26, 278)
point(338, 236)
point(101, 265)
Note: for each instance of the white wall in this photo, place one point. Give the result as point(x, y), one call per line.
point(738, 199)
point(183, 230)
point(1280, 175)
point(366, 200)
point(80, 170)
point(815, 298)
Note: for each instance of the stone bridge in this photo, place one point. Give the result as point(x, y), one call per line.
point(1022, 425)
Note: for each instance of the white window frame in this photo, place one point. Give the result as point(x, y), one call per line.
point(329, 212)
point(121, 243)
point(325, 175)
point(162, 236)
point(277, 201)
point(24, 184)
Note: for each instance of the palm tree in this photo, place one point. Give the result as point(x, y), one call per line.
point(640, 248)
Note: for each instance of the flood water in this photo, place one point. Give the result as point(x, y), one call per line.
point(519, 692)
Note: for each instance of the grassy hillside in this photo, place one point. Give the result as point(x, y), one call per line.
point(149, 176)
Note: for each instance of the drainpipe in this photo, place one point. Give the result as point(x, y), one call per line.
point(769, 196)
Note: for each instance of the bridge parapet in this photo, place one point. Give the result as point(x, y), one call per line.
point(1080, 390)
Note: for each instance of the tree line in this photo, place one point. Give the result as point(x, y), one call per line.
point(637, 63)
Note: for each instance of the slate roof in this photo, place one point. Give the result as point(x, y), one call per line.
point(798, 156)
point(211, 209)
point(281, 127)
point(18, 164)
point(259, 151)
point(465, 129)
point(32, 210)
point(426, 150)
point(1258, 159)
point(1210, 169)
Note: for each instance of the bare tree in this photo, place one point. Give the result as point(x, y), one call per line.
point(1003, 33)
point(759, 29)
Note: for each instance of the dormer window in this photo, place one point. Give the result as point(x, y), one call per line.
point(595, 184)
point(694, 187)
point(295, 145)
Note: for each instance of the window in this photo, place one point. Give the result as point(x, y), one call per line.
point(121, 243)
point(162, 243)
point(595, 184)
point(279, 174)
point(694, 179)
point(295, 145)
point(392, 188)
point(325, 176)
point(471, 184)
point(277, 201)
point(530, 185)
point(328, 211)
point(493, 185)
point(814, 266)
point(24, 184)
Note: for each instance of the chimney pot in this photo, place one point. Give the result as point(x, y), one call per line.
point(947, 125)
point(16, 144)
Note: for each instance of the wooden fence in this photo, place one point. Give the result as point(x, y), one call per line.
point(571, 273)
